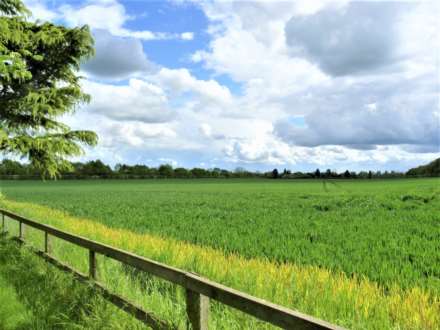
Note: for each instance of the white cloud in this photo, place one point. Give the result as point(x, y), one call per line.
point(359, 37)
point(133, 133)
point(139, 100)
point(263, 151)
point(104, 15)
point(187, 36)
point(206, 130)
point(181, 81)
point(117, 57)
point(365, 114)
point(248, 44)
point(124, 135)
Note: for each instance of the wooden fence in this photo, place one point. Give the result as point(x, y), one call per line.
point(198, 290)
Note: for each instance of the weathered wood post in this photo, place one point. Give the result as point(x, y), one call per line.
point(21, 230)
point(92, 264)
point(47, 245)
point(197, 308)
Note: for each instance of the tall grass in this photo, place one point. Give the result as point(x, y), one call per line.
point(13, 314)
point(36, 296)
point(352, 301)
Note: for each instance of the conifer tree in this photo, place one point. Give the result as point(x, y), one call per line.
point(39, 62)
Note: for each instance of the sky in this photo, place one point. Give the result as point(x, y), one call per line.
point(293, 84)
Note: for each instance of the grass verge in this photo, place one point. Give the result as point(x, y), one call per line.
point(13, 314)
point(35, 295)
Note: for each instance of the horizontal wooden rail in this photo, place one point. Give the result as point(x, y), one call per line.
point(198, 289)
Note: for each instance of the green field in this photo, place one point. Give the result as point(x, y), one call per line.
point(387, 232)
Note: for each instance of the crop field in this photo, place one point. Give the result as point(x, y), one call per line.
point(362, 254)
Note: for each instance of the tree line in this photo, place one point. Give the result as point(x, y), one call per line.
point(10, 169)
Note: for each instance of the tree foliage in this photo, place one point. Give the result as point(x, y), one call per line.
point(38, 84)
point(13, 7)
point(431, 169)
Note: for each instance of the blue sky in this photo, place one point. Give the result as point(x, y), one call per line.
point(259, 85)
point(172, 18)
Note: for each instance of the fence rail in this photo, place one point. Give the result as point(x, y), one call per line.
point(198, 289)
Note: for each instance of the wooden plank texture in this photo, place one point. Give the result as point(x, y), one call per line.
point(92, 265)
point(21, 230)
point(197, 308)
point(47, 243)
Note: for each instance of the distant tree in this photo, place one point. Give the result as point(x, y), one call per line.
point(216, 172)
point(286, 173)
point(225, 173)
point(165, 171)
point(328, 173)
point(181, 172)
point(317, 173)
point(140, 170)
point(76, 168)
point(240, 172)
point(38, 84)
point(10, 167)
point(347, 174)
point(96, 168)
point(135, 171)
point(153, 172)
point(119, 168)
point(362, 175)
point(199, 172)
point(299, 175)
point(275, 174)
point(122, 170)
point(432, 169)
point(370, 175)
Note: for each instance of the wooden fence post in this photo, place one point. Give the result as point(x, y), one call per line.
point(47, 245)
point(197, 308)
point(92, 264)
point(21, 230)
